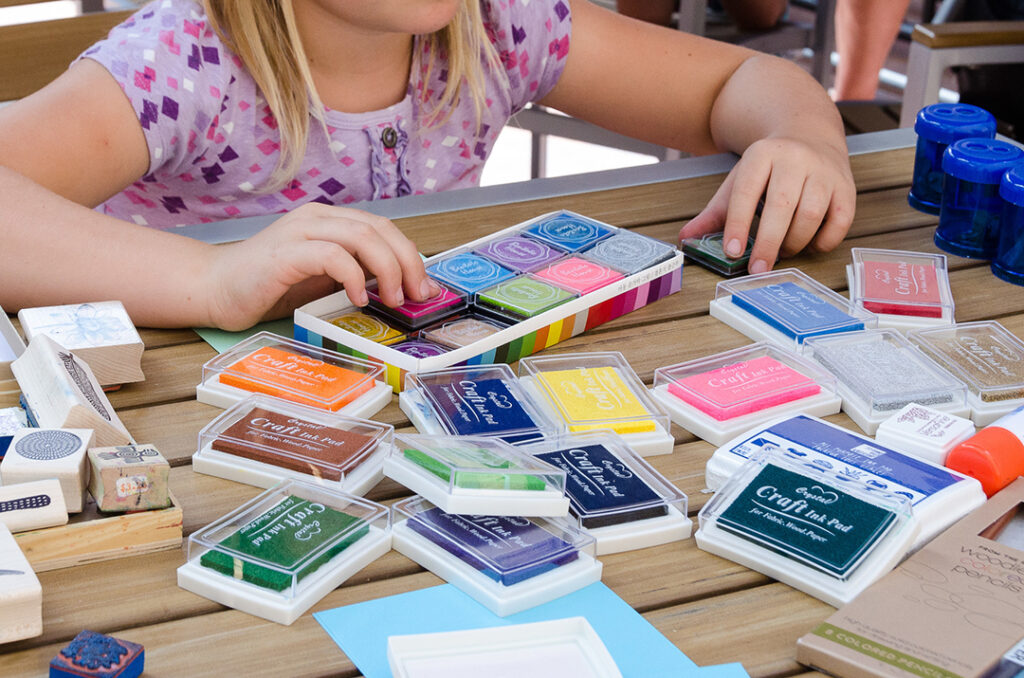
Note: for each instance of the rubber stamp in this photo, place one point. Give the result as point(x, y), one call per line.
point(21, 596)
point(94, 654)
point(32, 505)
point(36, 454)
point(11, 419)
point(129, 478)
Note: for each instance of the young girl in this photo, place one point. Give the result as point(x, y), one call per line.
point(197, 111)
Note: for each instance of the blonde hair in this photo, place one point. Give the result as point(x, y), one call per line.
point(264, 35)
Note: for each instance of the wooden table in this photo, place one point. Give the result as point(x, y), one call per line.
point(712, 609)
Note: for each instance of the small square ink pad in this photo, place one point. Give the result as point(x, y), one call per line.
point(708, 252)
point(469, 272)
point(521, 298)
point(568, 231)
point(413, 315)
point(419, 348)
point(469, 407)
point(518, 253)
point(463, 331)
point(629, 253)
point(368, 327)
point(578, 275)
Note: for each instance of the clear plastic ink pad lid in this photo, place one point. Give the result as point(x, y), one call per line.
point(591, 391)
point(578, 275)
point(905, 289)
point(629, 253)
point(468, 272)
point(880, 371)
point(520, 298)
point(518, 253)
point(291, 370)
point(465, 474)
point(568, 231)
point(615, 495)
point(278, 554)
point(785, 307)
point(463, 330)
point(720, 396)
point(413, 315)
point(985, 356)
point(262, 440)
point(368, 327)
point(924, 432)
point(419, 348)
point(811, 528)
point(708, 252)
point(507, 563)
point(481, 400)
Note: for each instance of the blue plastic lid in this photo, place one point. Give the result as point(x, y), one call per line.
point(1011, 188)
point(982, 161)
point(947, 123)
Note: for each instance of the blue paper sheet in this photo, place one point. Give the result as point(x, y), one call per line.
point(361, 630)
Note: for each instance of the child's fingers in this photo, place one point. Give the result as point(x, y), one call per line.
point(712, 218)
point(782, 196)
point(808, 216)
point(417, 283)
point(750, 177)
point(311, 258)
point(838, 220)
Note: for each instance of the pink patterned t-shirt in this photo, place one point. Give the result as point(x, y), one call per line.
point(213, 142)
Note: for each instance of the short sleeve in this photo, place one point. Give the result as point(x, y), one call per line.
point(532, 40)
point(174, 71)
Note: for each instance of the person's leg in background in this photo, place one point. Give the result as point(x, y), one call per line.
point(865, 32)
point(749, 15)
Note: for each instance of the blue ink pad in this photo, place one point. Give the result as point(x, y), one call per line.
point(469, 272)
point(481, 407)
point(629, 253)
point(568, 231)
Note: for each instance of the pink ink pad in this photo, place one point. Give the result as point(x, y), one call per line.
point(412, 315)
point(578, 275)
point(898, 283)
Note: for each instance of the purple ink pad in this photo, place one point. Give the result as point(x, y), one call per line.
point(578, 275)
point(418, 348)
point(412, 315)
point(518, 253)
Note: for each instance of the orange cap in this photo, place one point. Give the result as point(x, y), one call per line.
point(993, 455)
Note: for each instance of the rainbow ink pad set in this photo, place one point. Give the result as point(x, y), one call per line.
point(723, 395)
point(262, 440)
point(484, 400)
point(904, 289)
point(591, 391)
point(278, 554)
point(291, 370)
point(879, 371)
point(939, 496)
point(615, 496)
point(507, 295)
point(807, 526)
point(507, 563)
point(707, 251)
point(467, 474)
point(987, 357)
point(785, 307)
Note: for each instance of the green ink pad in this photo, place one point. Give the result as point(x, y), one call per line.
point(707, 251)
point(521, 298)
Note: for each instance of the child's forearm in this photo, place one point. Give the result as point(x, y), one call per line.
point(57, 252)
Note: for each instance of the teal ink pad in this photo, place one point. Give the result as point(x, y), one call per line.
point(568, 231)
point(469, 272)
point(629, 253)
point(521, 298)
point(708, 252)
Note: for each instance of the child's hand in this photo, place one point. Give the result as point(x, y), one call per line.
point(303, 256)
point(809, 198)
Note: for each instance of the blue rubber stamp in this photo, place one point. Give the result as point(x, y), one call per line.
point(94, 654)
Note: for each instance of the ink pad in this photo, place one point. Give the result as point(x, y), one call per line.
point(629, 253)
point(368, 327)
point(615, 495)
point(520, 298)
point(578, 275)
point(568, 231)
point(939, 496)
point(518, 253)
point(291, 370)
point(810, 528)
point(483, 400)
point(262, 441)
point(720, 396)
point(879, 371)
point(924, 432)
point(413, 315)
point(985, 356)
point(905, 289)
point(469, 272)
point(278, 554)
point(419, 348)
point(507, 563)
point(707, 251)
point(466, 474)
point(785, 307)
point(463, 331)
point(590, 391)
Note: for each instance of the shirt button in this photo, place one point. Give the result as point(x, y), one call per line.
point(389, 137)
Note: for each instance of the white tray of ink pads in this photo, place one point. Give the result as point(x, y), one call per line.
point(721, 396)
point(592, 391)
point(262, 440)
point(506, 563)
point(548, 649)
point(906, 290)
point(808, 527)
point(785, 307)
point(939, 496)
point(477, 400)
point(278, 554)
point(879, 371)
point(615, 496)
point(985, 356)
point(290, 370)
point(477, 475)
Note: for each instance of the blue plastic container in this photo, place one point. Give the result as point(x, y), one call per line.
point(1009, 261)
point(937, 126)
point(971, 208)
